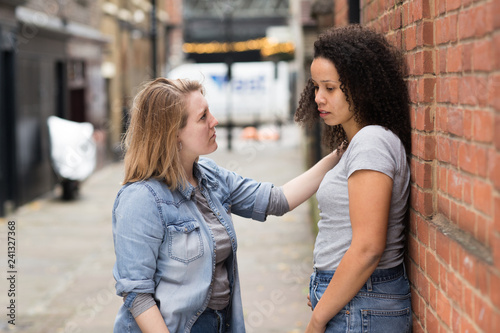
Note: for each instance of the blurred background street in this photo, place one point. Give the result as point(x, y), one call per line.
point(65, 251)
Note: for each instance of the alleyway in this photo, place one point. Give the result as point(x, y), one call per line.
point(64, 251)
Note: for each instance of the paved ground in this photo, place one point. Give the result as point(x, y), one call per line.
point(64, 251)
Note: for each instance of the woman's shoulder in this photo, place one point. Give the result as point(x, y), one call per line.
point(376, 135)
point(144, 188)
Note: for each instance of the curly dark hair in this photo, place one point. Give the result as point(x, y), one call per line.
point(371, 73)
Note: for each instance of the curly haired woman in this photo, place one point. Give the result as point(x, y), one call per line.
point(357, 88)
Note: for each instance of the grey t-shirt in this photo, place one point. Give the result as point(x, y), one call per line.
point(372, 148)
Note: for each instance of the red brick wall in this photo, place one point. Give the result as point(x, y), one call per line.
point(453, 52)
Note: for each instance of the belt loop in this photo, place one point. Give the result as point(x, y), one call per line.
point(369, 286)
point(404, 271)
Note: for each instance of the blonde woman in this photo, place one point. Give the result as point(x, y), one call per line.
point(174, 238)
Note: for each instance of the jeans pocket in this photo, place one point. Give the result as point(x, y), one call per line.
point(383, 321)
point(185, 243)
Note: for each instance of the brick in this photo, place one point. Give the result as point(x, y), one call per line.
point(483, 20)
point(483, 56)
point(454, 152)
point(423, 175)
point(443, 247)
point(455, 263)
point(496, 50)
point(468, 302)
point(496, 219)
point(456, 321)
point(468, 126)
point(483, 126)
point(440, 6)
point(468, 267)
point(494, 169)
point(441, 60)
point(447, 90)
point(424, 146)
point(467, 157)
point(495, 249)
point(466, 24)
point(484, 226)
point(426, 90)
point(495, 10)
point(467, 57)
point(432, 267)
point(410, 38)
point(467, 195)
point(427, 33)
point(442, 119)
point(483, 278)
point(423, 231)
point(483, 196)
point(454, 58)
point(494, 91)
point(431, 322)
point(455, 184)
point(413, 249)
point(453, 4)
point(442, 174)
point(412, 90)
point(429, 62)
point(483, 315)
point(455, 121)
point(444, 308)
point(454, 212)
point(482, 156)
point(444, 206)
point(467, 326)
point(469, 87)
point(467, 220)
point(495, 288)
point(424, 119)
point(432, 295)
point(481, 92)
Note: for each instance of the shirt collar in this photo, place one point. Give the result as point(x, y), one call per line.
point(187, 190)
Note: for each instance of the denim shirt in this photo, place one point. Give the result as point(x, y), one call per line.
point(164, 247)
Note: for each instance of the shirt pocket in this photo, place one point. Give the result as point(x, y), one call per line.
point(185, 243)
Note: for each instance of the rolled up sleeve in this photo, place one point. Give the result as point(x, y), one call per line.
point(261, 201)
point(138, 233)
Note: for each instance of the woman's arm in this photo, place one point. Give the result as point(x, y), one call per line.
point(302, 187)
point(369, 203)
point(151, 321)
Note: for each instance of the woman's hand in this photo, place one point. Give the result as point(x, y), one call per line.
point(305, 185)
point(309, 301)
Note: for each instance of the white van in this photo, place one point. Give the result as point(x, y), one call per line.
point(259, 93)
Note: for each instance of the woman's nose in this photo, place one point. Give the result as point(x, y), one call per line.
point(214, 122)
point(318, 98)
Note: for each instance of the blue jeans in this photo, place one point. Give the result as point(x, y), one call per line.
point(382, 305)
point(213, 321)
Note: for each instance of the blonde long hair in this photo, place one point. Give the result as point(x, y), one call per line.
point(158, 113)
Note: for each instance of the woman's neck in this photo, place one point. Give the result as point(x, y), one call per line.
point(188, 167)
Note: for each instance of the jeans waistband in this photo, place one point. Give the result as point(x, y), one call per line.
point(379, 275)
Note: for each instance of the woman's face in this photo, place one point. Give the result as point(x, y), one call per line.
point(198, 136)
point(333, 107)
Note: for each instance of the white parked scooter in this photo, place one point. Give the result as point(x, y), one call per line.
point(73, 153)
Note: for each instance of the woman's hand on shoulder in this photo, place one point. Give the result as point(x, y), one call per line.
point(335, 156)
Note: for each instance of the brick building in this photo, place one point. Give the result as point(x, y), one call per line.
point(453, 51)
